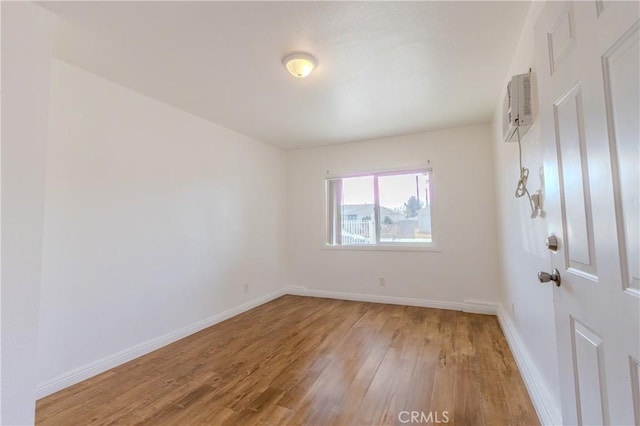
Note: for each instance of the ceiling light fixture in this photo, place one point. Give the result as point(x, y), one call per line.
point(299, 64)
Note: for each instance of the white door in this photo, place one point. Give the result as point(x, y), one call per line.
point(588, 71)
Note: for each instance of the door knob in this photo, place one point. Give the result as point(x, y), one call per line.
point(552, 243)
point(545, 277)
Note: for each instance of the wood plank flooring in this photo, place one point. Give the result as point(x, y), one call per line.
point(302, 360)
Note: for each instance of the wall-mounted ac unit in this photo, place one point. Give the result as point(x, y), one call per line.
point(517, 115)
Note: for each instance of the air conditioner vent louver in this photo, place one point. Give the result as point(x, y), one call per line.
point(526, 86)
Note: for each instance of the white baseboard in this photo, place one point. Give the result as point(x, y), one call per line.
point(477, 307)
point(548, 411)
point(466, 306)
point(89, 370)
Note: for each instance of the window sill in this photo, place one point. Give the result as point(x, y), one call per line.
point(382, 247)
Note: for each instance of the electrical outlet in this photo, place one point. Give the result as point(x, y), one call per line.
point(382, 282)
point(246, 288)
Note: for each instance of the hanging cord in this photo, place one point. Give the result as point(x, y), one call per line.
point(521, 189)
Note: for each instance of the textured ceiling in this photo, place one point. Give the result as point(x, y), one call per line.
point(385, 68)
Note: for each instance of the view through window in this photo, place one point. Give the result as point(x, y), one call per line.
point(380, 209)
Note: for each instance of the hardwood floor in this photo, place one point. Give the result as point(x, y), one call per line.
point(302, 360)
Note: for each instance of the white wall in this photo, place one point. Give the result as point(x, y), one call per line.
point(521, 239)
point(26, 56)
point(154, 220)
point(465, 268)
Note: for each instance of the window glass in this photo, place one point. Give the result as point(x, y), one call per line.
point(380, 209)
point(358, 225)
point(405, 212)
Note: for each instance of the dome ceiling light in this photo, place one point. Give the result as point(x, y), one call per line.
point(299, 64)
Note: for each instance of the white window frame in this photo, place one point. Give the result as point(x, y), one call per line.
point(380, 245)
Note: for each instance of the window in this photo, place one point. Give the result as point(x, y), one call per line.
point(381, 209)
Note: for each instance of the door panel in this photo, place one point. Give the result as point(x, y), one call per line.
point(588, 71)
point(622, 83)
point(574, 191)
point(561, 37)
point(588, 365)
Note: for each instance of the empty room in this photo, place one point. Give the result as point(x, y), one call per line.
point(320, 213)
